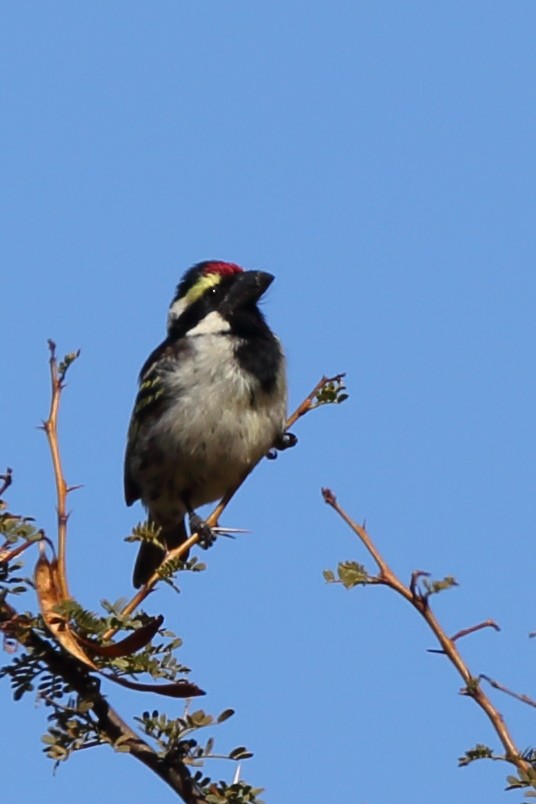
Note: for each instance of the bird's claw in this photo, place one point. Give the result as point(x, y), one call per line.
point(206, 535)
point(285, 441)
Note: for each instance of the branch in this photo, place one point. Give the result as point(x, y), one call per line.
point(526, 699)
point(109, 722)
point(420, 601)
point(473, 628)
point(50, 426)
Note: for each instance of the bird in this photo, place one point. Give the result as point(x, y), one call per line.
point(211, 402)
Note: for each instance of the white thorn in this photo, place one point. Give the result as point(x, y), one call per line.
point(236, 777)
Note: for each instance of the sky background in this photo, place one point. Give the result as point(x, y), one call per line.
point(379, 159)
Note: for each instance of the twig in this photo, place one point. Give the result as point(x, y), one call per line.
point(50, 426)
point(109, 722)
point(309, 401)
point(419, 601)
point(7, 480)
point(8, 555)
point(473, 628)
point(517, 695)
point(212, 520)
point(416, 575)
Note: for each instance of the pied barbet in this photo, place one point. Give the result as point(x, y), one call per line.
point(212, 400)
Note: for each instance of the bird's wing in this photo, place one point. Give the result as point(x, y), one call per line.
point(149, 402)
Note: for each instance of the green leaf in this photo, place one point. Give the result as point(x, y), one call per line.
point(478, 752)
point(200, 718)
point(352, 574)
point(434, 587)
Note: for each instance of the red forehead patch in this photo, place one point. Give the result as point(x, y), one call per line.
point(223, 268)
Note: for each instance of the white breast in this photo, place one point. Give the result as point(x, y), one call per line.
point(222, 421)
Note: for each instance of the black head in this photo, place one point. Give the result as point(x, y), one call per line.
point(217, 287)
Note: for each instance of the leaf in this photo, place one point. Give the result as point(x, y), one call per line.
point(200, 719)
point(127, 646)
point(352, 574)
point(225, 715)
point(176, 689)
point(47, 588)
point(436, 586)
point(240, 753)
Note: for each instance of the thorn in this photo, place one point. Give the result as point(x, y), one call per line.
point(336, 378)
point(236, 777)
point(228, 532)
point(74, 488)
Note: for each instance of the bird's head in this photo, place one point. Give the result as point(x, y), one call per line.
point(221, 288)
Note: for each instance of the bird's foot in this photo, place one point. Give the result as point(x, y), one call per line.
point(207, 537)
point(282, 442)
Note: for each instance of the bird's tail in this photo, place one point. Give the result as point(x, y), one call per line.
point(151, 555)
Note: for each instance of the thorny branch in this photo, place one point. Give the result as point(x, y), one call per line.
point(50, 426)
point(63, 662)
point(109, 722)
point(419, 600)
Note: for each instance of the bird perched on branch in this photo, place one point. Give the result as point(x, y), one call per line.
point(211, 402)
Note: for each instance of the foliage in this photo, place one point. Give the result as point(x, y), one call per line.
point(72, 724)
point(349, 573)
point(333, 391)
point(418, 592)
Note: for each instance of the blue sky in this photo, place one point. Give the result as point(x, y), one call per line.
point(378, 158)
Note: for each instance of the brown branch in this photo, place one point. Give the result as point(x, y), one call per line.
point(8, 555)
point(212, 521)
point(309, 401)
point(175, 774)
point(419, 601)
point(50, 426)
point(61, 662)
point(517, 695)
point(473, 628)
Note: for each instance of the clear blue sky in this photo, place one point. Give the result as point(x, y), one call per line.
point(379, 159)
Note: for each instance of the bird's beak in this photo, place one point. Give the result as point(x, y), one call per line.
point(247, 288)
